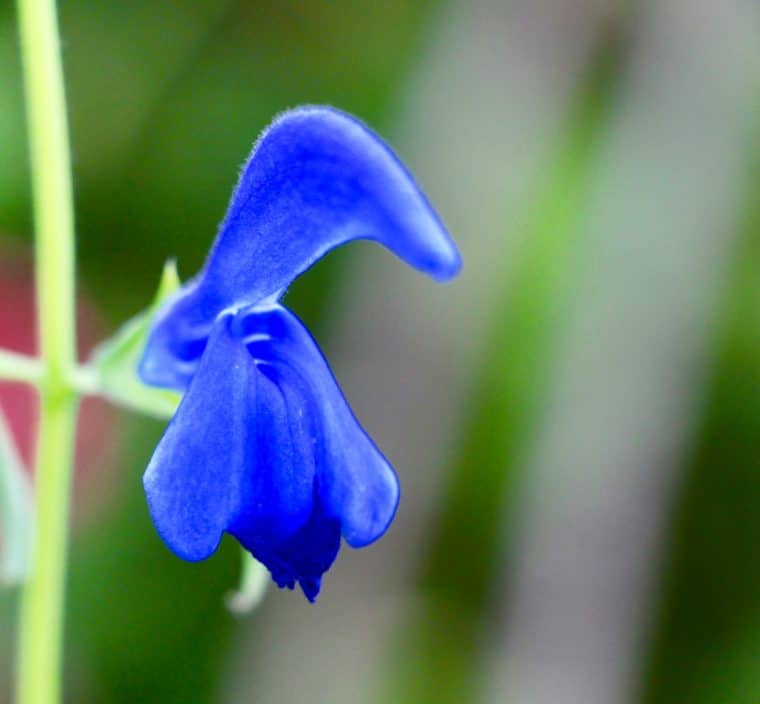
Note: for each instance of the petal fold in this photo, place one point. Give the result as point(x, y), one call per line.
point(281, 519)
point(357, 484)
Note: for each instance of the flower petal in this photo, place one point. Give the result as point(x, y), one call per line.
point(357, 484)
point(193, 480)
point(316, 178)
point(281, 518)
point(239, 457)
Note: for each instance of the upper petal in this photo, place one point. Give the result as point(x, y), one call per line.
point(357, 484)
point(316, 178)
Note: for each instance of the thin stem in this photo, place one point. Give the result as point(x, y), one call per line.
point(51, 181)
point(30, 370)
point(19, 367)
point(84, 380)
point(41, 617)
point(38, 667)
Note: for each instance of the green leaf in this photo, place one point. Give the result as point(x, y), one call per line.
point(16, 512)
point(114, 362)
point(254, 579)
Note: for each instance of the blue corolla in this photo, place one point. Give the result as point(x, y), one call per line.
point(263, 445)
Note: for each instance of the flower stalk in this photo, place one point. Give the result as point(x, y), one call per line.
point(39, 654)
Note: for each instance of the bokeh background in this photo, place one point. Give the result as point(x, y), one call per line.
point(575, 420)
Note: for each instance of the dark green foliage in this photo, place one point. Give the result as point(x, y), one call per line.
point(707, 646)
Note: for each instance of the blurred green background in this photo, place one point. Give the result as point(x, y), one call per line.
point(575, 421)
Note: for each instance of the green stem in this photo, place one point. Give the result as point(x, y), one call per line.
point(19, 367)
point(38, 672)
point(41, 617)
point(30, 370)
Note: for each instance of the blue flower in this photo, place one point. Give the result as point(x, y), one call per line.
point(263, 445)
